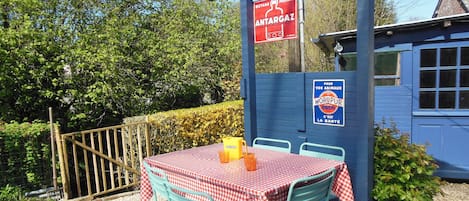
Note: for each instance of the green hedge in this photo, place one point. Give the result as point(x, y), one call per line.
point(185, 128)
point(25, 156)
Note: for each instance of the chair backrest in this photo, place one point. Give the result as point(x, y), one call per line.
point(158, 181)
point(322, 151)
point(182, 194)
point(313, 188)
point(270, 143)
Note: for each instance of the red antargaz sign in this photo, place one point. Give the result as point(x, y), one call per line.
point(275, 20)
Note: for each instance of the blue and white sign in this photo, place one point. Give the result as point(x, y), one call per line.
point(329, 102)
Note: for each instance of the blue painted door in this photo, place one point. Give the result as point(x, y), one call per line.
point(440, 116)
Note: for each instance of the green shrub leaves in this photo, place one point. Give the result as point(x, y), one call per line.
point(25, 154)
point(403, 171)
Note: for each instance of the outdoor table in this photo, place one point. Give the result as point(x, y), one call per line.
point(199, 169)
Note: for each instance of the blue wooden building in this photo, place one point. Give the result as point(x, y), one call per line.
point(421, 83)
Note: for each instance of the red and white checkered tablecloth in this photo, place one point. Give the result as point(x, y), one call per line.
point(199, 169)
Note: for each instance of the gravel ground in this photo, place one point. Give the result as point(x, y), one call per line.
point(453, 191)
point(450, 191)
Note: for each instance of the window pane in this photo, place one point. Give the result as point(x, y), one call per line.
point(428, 58)
point(427, 99)
point(386, 63)
point(447, 99)
point(465, 56)
point(427, 79)
point(447, 78)
point(464, 99)
point(348, 62)
point(464, 82)
point(448, 56)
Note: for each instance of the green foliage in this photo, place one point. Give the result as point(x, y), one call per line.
point(15, 193)
point(25, 154)
point(10, 193)
point(30, 58)
point(186, 128)
point(403, 171)
point(96, 63)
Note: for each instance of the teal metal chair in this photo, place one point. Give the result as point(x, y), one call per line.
point(271, 144)
point(158, 181)
point(181, 194)
point(322, 151)
point(313, 188)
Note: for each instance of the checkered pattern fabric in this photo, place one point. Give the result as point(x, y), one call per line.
point(199, 169)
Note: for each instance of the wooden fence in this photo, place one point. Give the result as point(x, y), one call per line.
point(102, 161)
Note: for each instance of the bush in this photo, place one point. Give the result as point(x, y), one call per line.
point(15, 193)
point(10, 193)
point(403, 171)
point(25, 155)
point(185, 128)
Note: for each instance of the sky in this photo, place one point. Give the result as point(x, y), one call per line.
point(411, 10)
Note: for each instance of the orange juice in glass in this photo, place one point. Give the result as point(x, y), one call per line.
point(224, 156)
point(250, 161)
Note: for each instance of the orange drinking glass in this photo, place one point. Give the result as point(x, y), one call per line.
point(250, 161)
point(224, 156)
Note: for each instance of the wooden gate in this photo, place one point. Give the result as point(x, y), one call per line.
point(102, 161)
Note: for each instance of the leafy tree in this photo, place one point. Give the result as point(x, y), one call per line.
point(96, 62)
point(30, 61)
point(104, 77)
point(142, 58)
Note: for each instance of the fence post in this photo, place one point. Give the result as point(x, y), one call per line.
point(147, 137)
point(65, 184)
point(52, 144)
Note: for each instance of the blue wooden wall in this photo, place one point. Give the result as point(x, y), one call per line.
point(280, 105)
point(447, 143)
point(284, 111)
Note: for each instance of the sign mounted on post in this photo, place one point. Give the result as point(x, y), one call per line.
point(275, 20)
point(329, 102)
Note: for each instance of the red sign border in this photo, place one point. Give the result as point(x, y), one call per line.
point(280, 39)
